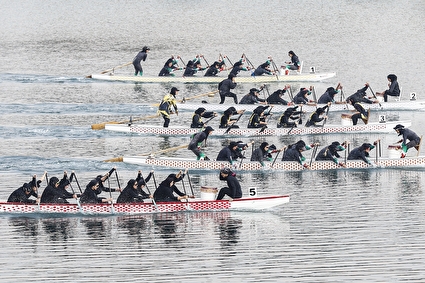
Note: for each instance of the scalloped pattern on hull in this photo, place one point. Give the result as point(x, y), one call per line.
point(178, 163)
point(328, 129)
point(257, 203)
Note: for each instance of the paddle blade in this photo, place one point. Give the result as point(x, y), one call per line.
point(101, 126)
point(116, 159)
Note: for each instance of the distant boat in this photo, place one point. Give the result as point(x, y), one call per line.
point(248, 203)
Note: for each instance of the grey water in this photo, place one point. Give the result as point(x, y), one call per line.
point(340, 226)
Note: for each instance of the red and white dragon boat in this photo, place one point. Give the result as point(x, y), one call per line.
point(196, 205)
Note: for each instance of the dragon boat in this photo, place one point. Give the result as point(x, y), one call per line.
point(294, 77)
point(200, 204)
point(219, 132)
point(404, 105)
point(178, 163)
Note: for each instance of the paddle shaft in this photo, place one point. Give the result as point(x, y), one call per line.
point(117, 67)
point(190, 183)
point(149, 192)
point(231, 126)
point(373, 93)
point(327, 112)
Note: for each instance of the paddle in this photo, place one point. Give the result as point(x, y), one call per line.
point(146, 184)
point(190, 182)
point(154, 180)
point(228, 60)
point(313, 90)
point(120, 158)
point(327, 112)
point(300, 120)
point(117, 67)
point(184, 189)
point(73, 192)
point(220, 57)
point(248, 61)
point(275, 69)
point(233, 125)
point(78, 184)
point(110, 194)
point(313, 153)
point(208, 64)
point(291, 96)
point(209, 94)
point(373, 93)
point(101, 126)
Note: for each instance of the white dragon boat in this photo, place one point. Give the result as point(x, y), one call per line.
point(327, 129)
point(294, 77)
point(246, 203)
point(404, 105)
point(178, 163)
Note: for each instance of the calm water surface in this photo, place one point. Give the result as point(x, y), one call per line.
point(340, 226)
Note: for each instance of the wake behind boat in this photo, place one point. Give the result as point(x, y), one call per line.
point(197, 205)
point(176, 163)
point(327, 129)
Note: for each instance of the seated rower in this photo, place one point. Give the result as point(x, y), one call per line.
point(226, 120)
point(198, 115)
point(289, 114)
point(214, 69)
point(264, 153)
point(362, 152)
point(237, 67)
point(130, 194)
point(90, 194)
point(23, 194)
point(167, 188)
point(229, 153)
point(294, 153)
point(329, 95)
point(169, 67)
point(410, 139)
point(258, 118)
point(302, 97)
point(316, 117)
point(193, 66)
point(331, 153)
point(276, 97)
point(263, 69)
point(253, 97)
point(360, 96)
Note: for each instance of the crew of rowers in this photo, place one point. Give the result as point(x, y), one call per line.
point(192, 67)
point(236, 150)
point(57, 190)
point(292, 115)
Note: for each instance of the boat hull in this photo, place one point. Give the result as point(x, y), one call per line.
point(255, 203)
point(313, 77)
point(384, 106)
point(327, 129)
point(178, 163)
